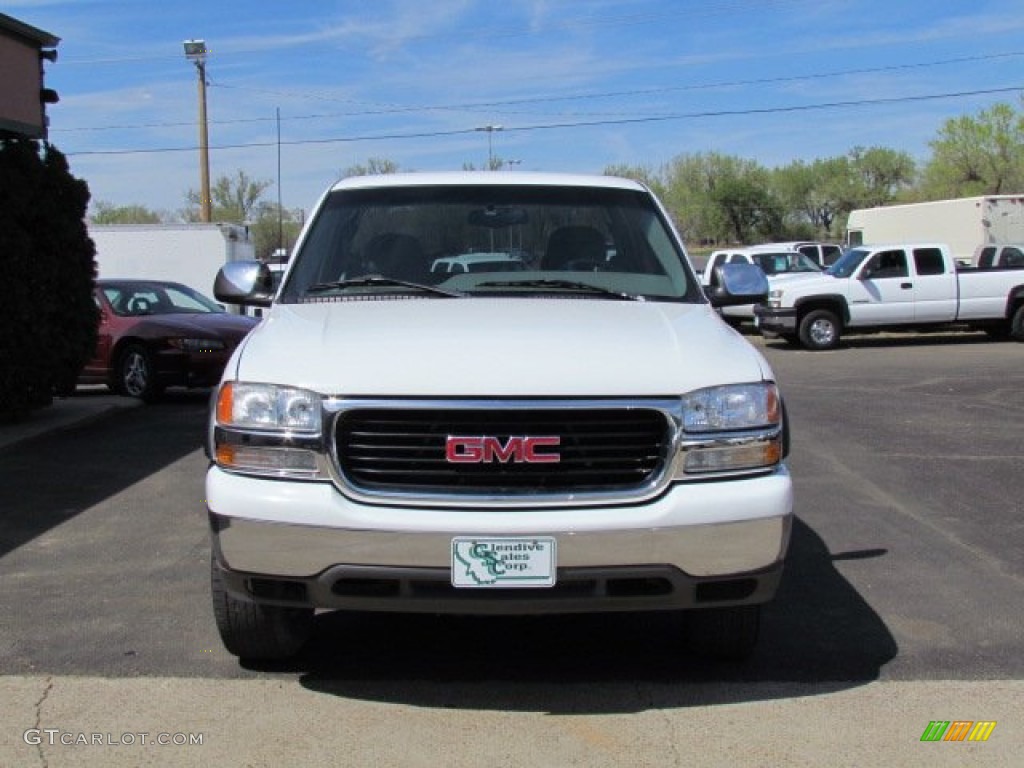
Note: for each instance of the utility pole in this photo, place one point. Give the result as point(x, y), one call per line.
point(490, 129)
point(280, 210)
point(195, 51)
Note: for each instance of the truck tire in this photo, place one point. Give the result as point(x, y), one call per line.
point(724, 634)
point(819, 329)
point(136, 374)
point(1017, 324)
point(259, 632)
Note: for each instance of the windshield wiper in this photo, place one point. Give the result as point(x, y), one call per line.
point(370, 280)
point(570, 284)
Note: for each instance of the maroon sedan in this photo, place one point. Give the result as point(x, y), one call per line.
point(156, 334)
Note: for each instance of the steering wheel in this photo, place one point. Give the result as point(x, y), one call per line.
point(138, 305)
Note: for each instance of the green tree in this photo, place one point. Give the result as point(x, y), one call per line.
point(686, 184)
point(980, 155)
point(878, 175)
point(642, 173)
point(48, 263)
point(715, 197)
point(374, 166)
point(813, 194)
point(750, 208)
point(274, 228)
point(108, 213)
point(233, 199)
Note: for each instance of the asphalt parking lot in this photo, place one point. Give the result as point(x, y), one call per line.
point(902, 604)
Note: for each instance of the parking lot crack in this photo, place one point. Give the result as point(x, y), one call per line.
point(39, 719)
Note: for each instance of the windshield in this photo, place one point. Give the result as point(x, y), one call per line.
point(484, 240)
point(132, 299)
point(777, 263)
point(847, 263)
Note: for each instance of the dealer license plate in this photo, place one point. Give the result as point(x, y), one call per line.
point(503, 561)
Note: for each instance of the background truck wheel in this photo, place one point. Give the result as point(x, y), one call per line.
point(1017, 324)
point(253, 631)
point(136, 374)
point(819, 329)
point(724, 634)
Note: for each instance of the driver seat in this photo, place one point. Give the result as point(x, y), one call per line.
point(577, 247)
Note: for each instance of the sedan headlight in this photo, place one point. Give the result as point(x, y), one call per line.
point(733, 429)
point(197, 345)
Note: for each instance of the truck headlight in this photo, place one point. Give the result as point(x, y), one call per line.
point(268, 406)
point(731, 429)
point(731, 407)
point(775, 298)
point(265, 429)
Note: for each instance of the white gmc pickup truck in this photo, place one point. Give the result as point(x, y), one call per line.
point(570, 428)
point(897, 286)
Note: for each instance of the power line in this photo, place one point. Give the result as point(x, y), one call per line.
point(578, 124)
point(399, 109)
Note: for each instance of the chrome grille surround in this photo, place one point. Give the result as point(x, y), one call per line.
point(655, 475)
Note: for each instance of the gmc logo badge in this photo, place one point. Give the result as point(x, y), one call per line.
point(485, 450)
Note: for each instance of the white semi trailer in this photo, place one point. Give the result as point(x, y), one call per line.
point(184, 253)
point(964, 223)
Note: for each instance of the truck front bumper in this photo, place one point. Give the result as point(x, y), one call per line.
point(700, 544)
point(775, 322)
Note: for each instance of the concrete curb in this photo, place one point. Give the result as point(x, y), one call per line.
point(65, 413)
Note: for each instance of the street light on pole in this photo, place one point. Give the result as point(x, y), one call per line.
point(195, 51)
point(490, 129)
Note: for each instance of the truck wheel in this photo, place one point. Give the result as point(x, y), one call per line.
point(1017, 324)
point(819, 329)
point(253, 631)
point(136, 374)
point(724, 634)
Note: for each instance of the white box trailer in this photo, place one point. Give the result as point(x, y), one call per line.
point(185, 253)
point(964, 223)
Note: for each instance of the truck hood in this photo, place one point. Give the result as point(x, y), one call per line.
point(497, 347)
point(812, 284)
point(790, 277)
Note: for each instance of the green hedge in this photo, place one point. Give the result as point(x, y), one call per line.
point(47, 274)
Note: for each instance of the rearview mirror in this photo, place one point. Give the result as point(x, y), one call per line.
point(494, 217)
point(733, 284)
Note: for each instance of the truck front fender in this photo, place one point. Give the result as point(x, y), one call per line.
point(834, 302)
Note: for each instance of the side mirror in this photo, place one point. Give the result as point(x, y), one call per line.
point(244, 282)
point(734, 284)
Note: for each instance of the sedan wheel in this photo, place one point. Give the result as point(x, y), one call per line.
point(136, 376)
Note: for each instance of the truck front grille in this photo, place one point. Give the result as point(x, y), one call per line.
point(405, 450)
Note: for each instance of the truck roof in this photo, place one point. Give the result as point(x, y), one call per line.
point(905, 244)
point(477, 178)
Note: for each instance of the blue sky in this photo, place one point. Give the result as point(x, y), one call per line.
point(575, 85)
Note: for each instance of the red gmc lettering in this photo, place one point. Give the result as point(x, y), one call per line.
point(484, 450)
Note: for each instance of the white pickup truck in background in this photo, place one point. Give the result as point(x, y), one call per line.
point(896, 286)
point(1008, 255)
point(582, 433)
point(780, 263)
